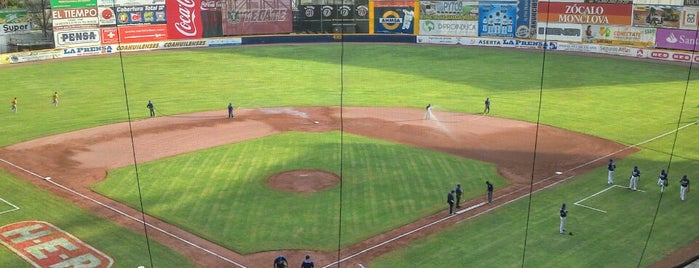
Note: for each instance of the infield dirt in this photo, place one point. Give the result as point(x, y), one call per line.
point(81, 158)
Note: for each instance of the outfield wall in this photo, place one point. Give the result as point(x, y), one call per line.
point(635, 52)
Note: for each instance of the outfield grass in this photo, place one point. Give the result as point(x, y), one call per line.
point(628, 101)
point(385, 185)
point(127, 248)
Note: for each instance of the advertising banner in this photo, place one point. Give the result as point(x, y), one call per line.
point(559, 32)
point(622, 35)
point(656, 16)
point(497, 19)
point(677, 39)
point(86, 17)
point(59, 4)
point(448, 27)
point(14, 21)
point(524, 22)
point(107, 16)
point(185, 19)
point(256, 17)
point(689, 18)
point(585, 13)
point(441, 40)
point(133, 34)
point(149, 14)
point(394, 17)
point(449, 10)
point(83, 36)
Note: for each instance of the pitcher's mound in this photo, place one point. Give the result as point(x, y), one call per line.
point(303, 181)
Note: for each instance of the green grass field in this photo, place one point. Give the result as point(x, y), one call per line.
point(627, 101)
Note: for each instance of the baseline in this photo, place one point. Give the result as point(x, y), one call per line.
point(14, 207)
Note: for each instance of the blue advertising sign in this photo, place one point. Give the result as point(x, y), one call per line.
point(497, 19)
point(394, 19)
point(523, 18)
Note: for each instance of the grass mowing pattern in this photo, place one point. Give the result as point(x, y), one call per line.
point(127, 248)
point(386, 185)
point(624, 100)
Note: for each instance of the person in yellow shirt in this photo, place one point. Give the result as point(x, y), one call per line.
point(14, 105)
point(55, 99)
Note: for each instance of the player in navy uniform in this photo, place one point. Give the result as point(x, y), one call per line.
point(662, 180)
point(564, 214)
point(635, 174)
point(151, 107)
point(610, 167)
point(459, 192)
point(684, 187)
point(490, 191)
point(450, 201)
point(486, 110)
point(230, 110)
point(280, 262)
point(307, 263)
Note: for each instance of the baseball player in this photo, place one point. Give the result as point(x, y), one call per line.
point(230, 110)
point(459, 192)
point(564, 214)
point(151, 107)
point(428, 112)
point(610, 176)
point(280, 262)
point(662, 180)
point(307, 263)
point(54, 100)
point(14, 105)
point(486, 110)
point(490, 191)
point(684, 187)
point(450, 201)
point(635, 174)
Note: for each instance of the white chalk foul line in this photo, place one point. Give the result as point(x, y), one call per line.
point(48, 179)
point(511, 193)
point(402, 235)
point(10, 204)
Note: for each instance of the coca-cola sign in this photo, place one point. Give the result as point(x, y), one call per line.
point(185, 20)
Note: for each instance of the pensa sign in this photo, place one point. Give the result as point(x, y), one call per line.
point(77, 37)
point(184, 19)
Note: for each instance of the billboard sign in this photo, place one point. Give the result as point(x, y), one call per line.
point(185, 22)
point(677, 39)
point(60, 4)
point(77, 37)
point(656, 16)
point(14, 21)
point(448, 27)
point(259, 16)
point(559, 32)
point(621, 35)
point(497, 19)
point(394, 17)
point(449, 10)
point(585, 13)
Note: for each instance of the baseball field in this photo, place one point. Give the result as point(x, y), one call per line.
point(329, 155)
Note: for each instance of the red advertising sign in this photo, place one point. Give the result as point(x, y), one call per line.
point(184, 19)
point(134, 34)
point(42, 244)
point(585, 13)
